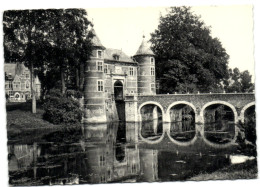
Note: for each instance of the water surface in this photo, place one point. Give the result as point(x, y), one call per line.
point(123, 152)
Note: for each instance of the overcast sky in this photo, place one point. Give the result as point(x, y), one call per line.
point(122, 28)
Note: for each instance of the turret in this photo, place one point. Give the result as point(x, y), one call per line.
point(146, 73)
point(94, 90)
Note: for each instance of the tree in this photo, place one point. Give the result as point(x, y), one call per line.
point(238, 81)
point(188, 58)
point(246, 84)
point(48, 40)
point(70, 40)
point(23, 39)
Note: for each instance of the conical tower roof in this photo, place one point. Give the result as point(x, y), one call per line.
point(95, 40)
point(144, 48)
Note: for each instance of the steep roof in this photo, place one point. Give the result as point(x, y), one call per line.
point(95, 40)
point(144, 48)
point(109, 55)
point(36, 80)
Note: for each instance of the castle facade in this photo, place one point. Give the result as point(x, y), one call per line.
point(111, 75)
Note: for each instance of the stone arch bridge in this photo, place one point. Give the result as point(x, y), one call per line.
point(237, 102)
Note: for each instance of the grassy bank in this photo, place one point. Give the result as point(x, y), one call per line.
point(19, 116)
point(23, 126)
point(246, 170)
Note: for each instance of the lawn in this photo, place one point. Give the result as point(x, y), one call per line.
point(23, 125)
point(19, 116)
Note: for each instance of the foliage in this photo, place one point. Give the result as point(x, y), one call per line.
point(239, 81)
point(53, 42)
point(61, 110)
point(188, 58)
point(23, 41)
point(74, 93)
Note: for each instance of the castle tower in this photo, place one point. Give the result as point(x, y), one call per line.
point(146, 73)
point(94, 88)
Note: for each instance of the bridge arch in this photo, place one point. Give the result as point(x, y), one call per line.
point(167, 115)
point(218, 102)
point(242, 113)
point(150, 103)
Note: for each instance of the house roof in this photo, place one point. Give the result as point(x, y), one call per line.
point(144, 48)
point(95, 40)
point(36, 80)
point(110, 53)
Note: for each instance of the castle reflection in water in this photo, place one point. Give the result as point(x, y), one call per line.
point(120, 152)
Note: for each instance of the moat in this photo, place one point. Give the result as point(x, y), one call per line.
point(125, 152)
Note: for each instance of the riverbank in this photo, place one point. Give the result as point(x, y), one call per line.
point(246, 170)
point(24, 126)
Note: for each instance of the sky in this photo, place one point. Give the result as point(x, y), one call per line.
point(123, 28)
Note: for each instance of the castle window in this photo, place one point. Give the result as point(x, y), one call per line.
point(108, 174)
point(105, 68)
point(100, 86)
point(17, 95)
point(116, 57)
point(152, 71)
point(131, 71)
point(99, 54)
point(27, 85)
point(8, 85)
point(152, 60)
point(11, 93)
point(133, 168)
point(100, 66)
point(102, 160)
point(16, 84)
point(152, 86)
point(27, 76)
point(102, 178)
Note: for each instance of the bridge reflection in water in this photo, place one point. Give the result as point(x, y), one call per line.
point(122, 152)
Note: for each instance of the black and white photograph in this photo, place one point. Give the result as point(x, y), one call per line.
point(129, 94)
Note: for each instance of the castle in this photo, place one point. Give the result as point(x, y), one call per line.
point(111, 75)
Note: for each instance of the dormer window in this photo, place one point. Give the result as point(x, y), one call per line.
point(99, 54)
point(116, 57)
point(152, 60)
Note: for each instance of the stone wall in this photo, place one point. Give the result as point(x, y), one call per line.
point(238, 102)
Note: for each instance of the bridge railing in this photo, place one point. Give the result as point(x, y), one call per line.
point(168, 94)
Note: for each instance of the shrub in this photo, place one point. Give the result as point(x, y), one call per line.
point(74, 93)
point(59, 109)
